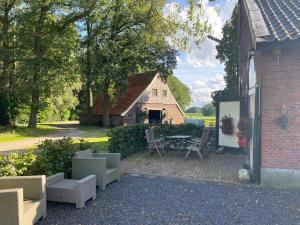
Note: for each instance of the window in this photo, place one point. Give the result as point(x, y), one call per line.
point(164, 93)
point(154, 92)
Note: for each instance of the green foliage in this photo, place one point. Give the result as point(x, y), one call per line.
point(194, 109)
point(182, 129)
point(56, 156)
point(209, 110)
point(180, 91)
point(41, 42)
point(228, 54)
point(14, 164)
point(52, 157)
point(128, 140)
point(59, 106)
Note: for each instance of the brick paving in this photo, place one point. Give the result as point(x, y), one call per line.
point(215, 167)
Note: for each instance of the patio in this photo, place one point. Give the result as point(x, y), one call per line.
point(215, 167)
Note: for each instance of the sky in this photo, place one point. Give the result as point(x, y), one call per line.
point(199, 69)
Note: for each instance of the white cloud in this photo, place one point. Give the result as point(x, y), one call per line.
point(201, 89)
point(199, 68)
point(217, 14)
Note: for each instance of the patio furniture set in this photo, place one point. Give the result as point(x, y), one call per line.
point(23, 199)
point(178, 142)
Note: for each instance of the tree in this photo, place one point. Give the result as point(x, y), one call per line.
point(48, 28)
point(194, 109)
point(180, 91)
point(228, 54)
point(131, 36)
point(123, 41)
point(209, 110)
point(7, 32)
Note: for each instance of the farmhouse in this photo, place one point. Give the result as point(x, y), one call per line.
point(269, 79)
point(147, 99)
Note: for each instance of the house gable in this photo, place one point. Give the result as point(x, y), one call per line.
point(147, 96)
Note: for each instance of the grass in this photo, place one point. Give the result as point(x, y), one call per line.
point(207, 119)
point(96, 136)
point(22, 132)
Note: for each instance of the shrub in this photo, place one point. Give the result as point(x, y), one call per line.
point(15, 164)
point(186, 129)
point(56, 156)
point(128, 140)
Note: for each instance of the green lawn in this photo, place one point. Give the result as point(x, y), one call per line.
point(96, 136)
point(22, 132)
point(207, 119)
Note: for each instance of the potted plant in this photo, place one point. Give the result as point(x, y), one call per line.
point(244, 132)
point(227, 125)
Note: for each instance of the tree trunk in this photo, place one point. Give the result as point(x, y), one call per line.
point(35, 96)
point(39, 53)
point(89, 93)
point(106, 106)
point(5, 76)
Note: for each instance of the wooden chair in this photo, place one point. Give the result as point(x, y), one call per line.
point(198, 144)
point(154, 144)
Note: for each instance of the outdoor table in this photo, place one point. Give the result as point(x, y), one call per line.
point(178, 142)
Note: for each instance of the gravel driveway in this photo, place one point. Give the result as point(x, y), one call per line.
point(137, 200)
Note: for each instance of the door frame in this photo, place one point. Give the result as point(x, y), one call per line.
point(257, 137)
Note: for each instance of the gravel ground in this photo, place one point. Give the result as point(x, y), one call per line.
point(137, 200)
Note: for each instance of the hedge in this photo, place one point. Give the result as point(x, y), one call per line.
point(128, 140)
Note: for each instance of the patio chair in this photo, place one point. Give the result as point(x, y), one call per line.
point(198, 144)
point(106, 166)
point(154, 144)
point(60, 189)
point(22, 200)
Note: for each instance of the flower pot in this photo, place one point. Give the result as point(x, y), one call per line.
point(242, 141)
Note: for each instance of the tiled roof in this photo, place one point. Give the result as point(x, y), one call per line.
point(136, 85)
point(282, 18)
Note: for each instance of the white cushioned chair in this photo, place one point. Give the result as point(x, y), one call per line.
point(22, 200)
point(60, 189)
point(106, 166)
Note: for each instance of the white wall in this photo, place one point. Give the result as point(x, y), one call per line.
point(232, 109)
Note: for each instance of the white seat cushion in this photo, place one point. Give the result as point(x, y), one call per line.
point(65, 184)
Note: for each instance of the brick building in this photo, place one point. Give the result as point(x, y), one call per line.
point(269, 79)
point(147, 99)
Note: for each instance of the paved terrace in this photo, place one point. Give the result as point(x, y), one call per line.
point(215, 167)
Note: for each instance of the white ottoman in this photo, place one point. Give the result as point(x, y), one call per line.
point(59, 189)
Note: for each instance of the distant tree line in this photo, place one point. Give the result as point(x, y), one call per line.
point(55, 56)
point(207, 110)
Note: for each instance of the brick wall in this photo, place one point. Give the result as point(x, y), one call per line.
point(280, 85)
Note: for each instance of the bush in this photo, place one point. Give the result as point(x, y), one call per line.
point(186, 129)
point(14, 164)
point(128, 140)
point(56, 156)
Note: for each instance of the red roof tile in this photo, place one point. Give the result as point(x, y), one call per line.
point(136, 85)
